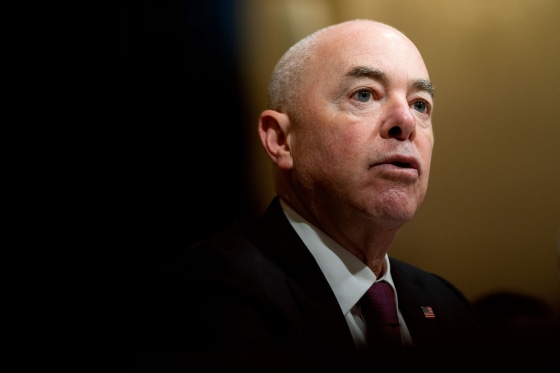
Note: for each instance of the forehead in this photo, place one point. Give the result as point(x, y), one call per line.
point(378, 47)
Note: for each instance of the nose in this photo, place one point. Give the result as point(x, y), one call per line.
point(399, 123)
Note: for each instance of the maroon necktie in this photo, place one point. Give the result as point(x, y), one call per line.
point(380, 314)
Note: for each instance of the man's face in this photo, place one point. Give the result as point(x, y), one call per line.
point(364, 139)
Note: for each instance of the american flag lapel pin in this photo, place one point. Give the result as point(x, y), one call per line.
point(428, 312)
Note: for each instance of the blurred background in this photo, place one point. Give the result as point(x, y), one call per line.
point(193, 82)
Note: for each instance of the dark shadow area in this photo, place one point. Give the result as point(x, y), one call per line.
point(520, 328)
point(173, 170)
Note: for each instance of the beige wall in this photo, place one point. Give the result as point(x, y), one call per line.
point(491, 220)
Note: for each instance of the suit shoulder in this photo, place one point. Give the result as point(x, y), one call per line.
point(403, 272)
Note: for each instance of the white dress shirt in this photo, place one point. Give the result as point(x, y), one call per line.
point(347, 275)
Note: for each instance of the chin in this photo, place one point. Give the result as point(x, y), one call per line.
point(398, 219)
point(397, 214)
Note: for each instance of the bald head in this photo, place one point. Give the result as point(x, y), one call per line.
point(307, 58)
point(349, 105)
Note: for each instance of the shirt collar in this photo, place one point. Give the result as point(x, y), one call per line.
point(348, 276)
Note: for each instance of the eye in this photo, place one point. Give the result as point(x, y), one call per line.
point(363, 95)
point(420, 106)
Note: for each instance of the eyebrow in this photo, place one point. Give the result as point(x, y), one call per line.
point(376, 74)
point(424, 85)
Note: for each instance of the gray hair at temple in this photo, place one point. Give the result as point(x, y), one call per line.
point(287, 76)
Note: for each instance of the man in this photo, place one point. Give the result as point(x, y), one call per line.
point(349, 134)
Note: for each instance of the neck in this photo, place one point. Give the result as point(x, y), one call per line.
point(367, 240)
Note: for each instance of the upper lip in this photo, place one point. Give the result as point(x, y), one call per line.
point(401, 160)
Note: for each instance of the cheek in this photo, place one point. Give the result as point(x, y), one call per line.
point(325, 156)
point(330, 138)
point(343, 147)
point(426, 154)
point(354, 145)
point(308, 149)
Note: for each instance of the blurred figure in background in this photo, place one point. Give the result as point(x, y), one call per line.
point(519, 328)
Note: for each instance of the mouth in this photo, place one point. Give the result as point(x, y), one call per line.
point(401, 162)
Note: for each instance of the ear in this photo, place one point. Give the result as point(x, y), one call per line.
point(274, 130)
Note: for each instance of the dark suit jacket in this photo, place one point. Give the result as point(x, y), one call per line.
point(253, 294)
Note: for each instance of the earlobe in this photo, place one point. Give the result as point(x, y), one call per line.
point(274, 133)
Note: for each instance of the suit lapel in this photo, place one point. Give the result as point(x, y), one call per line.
point(318, 304)
point(415, 303)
